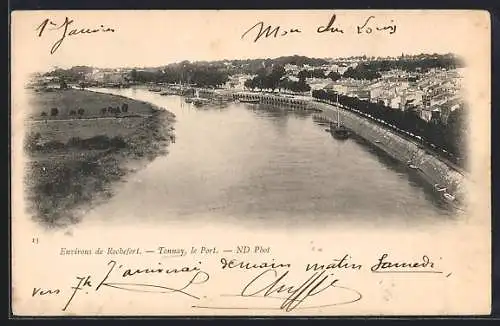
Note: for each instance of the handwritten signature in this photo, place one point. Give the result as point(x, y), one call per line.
point(65, 30)
point(271, 284)
point(368, 26)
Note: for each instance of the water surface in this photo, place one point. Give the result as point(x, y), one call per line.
point(264, 166)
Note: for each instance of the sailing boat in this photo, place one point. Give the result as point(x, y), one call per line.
point(339, 131)
point(199, 101)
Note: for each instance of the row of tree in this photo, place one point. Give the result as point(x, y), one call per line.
point(274, 78)
point(71, 75)
point(199, 75)
point(415, 64)
point(362, 71)
point(449, 136)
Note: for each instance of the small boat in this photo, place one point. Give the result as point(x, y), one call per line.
point(439, 188)
point(339, 131)
point(411, 165)
point(155, 89)
point(448, 196)
point(200, 101)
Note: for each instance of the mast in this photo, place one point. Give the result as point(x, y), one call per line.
point(338, 112)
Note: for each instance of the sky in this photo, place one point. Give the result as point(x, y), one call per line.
point(153, 38)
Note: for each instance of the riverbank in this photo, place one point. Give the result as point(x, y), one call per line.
point(446, 179)
point(73, 163)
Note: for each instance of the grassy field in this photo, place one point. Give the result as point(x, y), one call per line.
point(63, 130)
point(74, 99)
point(73, 163)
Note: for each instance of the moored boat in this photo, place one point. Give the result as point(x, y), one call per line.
point(412, 166)
point(339, 131)
point(439, 188)
point(200, 101)
point(448, 196)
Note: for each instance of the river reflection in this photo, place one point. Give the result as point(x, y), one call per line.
point(264, 166)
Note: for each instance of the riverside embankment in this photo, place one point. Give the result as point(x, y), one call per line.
point(431, 167)
point(74, 159)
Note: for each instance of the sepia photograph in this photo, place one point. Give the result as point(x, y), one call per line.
point(257, 140)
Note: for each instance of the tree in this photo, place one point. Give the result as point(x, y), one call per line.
point(303, 74)
point(54, 112)
point(362, 71)
point(63, 84)
point(133, 75)
point(333, 75)
point(303, 86)
point(275, 76)
point(124, 107)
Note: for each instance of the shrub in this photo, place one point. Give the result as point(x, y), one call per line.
point(96, 142)
point(31, 141)
point(74, 142)
point(117, 142)
point(53, 144)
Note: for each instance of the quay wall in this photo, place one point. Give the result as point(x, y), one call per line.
point(433, 169)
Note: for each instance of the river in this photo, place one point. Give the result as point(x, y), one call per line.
point(262, 166)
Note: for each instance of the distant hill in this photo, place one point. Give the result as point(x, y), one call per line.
point(180, 70)
point(251, 66)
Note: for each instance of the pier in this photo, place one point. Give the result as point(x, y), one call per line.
point(296, 103)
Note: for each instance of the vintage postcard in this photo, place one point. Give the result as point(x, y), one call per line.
point(270, 162)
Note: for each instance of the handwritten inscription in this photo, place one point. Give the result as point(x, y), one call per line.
point(330, 27)
point(67, 29)
point(269, 31)
point(276, 284)
point(42, 292)
point(117, 272)
point(370, 25)
point(384, 265)
point(234, 263)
